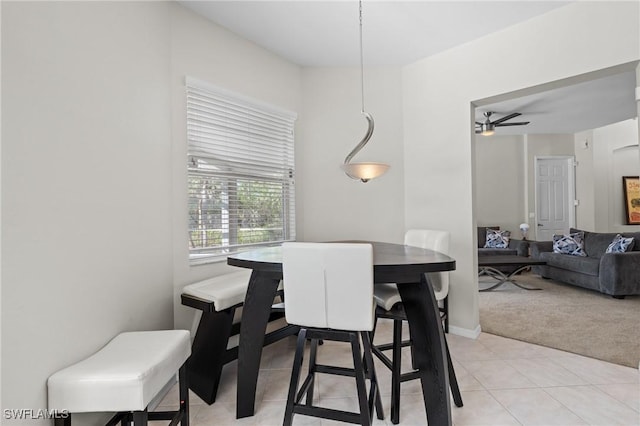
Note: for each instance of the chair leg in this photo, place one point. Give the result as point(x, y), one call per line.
point(313, 354)
point(295, 378)
point(396, 364)
point(372, 335)
point(365, 416)
point(370, 370)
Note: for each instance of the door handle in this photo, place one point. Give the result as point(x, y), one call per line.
point(540, 224)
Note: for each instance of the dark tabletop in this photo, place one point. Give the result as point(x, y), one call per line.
point(391, 262)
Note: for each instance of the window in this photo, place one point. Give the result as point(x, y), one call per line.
point(240, 172)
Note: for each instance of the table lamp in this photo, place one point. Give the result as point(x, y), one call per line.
point(524, 229)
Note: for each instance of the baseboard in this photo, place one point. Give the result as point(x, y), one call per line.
point(465, 332)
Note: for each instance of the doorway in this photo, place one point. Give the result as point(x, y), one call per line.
point(554, 196)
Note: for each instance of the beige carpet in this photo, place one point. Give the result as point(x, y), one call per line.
point(564, 317)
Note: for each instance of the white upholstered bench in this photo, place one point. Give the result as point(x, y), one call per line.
point(218, 298)
point(124, 377)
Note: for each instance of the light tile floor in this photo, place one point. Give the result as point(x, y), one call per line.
point(502, 381)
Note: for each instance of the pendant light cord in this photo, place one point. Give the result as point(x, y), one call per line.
point(361, 61)
point(368, 116)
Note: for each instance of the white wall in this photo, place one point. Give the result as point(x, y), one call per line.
point(94, 197)
point(500, 182)
point(208, 52)
point(585, 211)
point(615, 154)
point(86, 187)
point(334, 206)
point(438, 119)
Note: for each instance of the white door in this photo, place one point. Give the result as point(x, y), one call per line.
point(555, 195)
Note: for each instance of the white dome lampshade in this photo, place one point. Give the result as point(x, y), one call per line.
point(524, 228)
point(365, 171)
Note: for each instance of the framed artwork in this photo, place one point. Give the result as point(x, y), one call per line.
point(631, 189)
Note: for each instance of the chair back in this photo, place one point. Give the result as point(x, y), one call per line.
point(328, 285)
point(434, 240)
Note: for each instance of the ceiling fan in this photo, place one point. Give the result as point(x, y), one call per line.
point(487, 127)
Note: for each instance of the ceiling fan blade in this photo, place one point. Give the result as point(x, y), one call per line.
point(521, 123)
point(478, 123)
point(506, 117)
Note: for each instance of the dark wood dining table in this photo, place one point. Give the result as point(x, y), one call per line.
point(393, 263)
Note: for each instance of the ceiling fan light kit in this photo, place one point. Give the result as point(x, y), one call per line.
point(363, 171)
point(487, 127)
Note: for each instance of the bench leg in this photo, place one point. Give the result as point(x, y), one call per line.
point(140, 418)
point(184, 395)
point(62, 421)
point(204, 367)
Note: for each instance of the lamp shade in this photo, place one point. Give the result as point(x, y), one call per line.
point(365, 171)
point(524, 228)
point(488, 129)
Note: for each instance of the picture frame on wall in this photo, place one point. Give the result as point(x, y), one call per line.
point(631, 189)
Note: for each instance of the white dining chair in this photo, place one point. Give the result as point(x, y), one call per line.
point(389, 304)
point(328, 291)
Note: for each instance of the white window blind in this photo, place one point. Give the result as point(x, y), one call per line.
point(241, 172)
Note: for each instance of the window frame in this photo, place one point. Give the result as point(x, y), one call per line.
point(258, 152)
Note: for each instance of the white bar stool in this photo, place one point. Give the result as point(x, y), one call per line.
point(389, 304)
point(329, 294)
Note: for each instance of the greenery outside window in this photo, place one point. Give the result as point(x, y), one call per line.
point(240, 172)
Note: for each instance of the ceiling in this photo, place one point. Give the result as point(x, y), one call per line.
point(570, 108)
point(325, 34)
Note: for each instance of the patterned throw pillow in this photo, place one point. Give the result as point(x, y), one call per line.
point(620, 244)
point(572, 244)
point(497, 239)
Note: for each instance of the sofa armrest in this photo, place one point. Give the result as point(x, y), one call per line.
point(620, 273)
point(522, 246)
point(538, 247)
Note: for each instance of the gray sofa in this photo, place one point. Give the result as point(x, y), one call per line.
point(515, 248)
point(615, 274)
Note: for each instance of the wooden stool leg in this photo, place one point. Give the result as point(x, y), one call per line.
point(396, 364)
point(370, 370)
point(295, 378)
point(365, 416)
point(313, 354)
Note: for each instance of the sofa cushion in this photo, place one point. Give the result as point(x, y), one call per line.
point(497, 239)
point(497, 252)
point(620, 244)
point(572, 244)
point(584, 265)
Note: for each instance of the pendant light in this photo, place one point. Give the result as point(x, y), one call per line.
point(363, 171)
